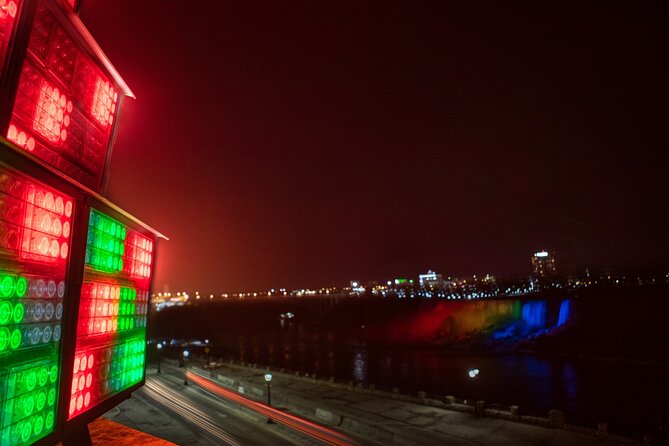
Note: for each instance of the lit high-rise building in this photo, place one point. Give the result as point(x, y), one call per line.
point(543, 265)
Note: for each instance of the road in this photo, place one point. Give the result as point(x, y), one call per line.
point(213, 415)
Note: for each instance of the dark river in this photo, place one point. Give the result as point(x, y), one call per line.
point(597, 355)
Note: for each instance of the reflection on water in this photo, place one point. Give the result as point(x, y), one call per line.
point(424, 345)
point(360, 366)
point(587, 392)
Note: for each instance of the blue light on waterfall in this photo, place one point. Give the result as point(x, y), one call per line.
point(534, 313)
point(565, 311)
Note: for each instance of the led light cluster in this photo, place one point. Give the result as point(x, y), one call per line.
point(104, 371)
point(8, 11)
point(140, 249)
point(35, 233)
point(30, 311)
point(111, 332)
point(35, 221)
point(107, 308)
point(104, 102)
point(29, 408)
point(106, 243)
point(65, 105)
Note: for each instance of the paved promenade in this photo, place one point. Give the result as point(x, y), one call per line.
point(391, 419)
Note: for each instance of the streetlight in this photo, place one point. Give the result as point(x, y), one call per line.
point(186, 354)
point(268, 380)
point(207, 350)
point(473, 373)
point(159, 347)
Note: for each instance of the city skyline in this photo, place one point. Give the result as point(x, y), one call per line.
point(372, 139)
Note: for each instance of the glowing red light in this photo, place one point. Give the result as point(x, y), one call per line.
point(43, 237)
point(140, 250)
point(52, 113)
point(104, 102)
point(8, 11)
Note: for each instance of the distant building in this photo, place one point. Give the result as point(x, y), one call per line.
point(543, 265)
point(431, 280)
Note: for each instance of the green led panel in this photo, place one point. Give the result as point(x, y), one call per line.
point(29, 407)
point(106, 243)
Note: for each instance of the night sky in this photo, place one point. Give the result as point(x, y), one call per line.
point(303, 144)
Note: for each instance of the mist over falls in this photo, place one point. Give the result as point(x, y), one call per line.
point(562, 323)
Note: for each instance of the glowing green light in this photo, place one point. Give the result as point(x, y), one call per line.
point(15, 339)
point(5, 312)
point(51, 397)
point(27, 431)
point(49, 420)
point(43, 376)
point(31, 380)
point(39, 424)
point(53, 374)
point(4, 338)
point(21, 287)
point(19, 311)
point(7, 286)
point(29, 405)
point(41, 400)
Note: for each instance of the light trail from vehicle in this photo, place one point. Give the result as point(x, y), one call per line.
point(313, 430)
point(175, 401)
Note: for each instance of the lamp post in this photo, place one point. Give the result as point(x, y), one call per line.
point(268, 380)
point(186, 354)
point(473, 373)
point(159, 348)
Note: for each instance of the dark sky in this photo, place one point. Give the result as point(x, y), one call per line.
point(310, 143)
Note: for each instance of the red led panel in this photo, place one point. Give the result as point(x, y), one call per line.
point(65, 105)
point(9, 10)
point(35, 221)
point(138, 256)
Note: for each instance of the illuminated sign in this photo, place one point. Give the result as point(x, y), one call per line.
point(541, 254)
point(65, 104)
point(35, 233)
point(111, 330)
point(58, 106)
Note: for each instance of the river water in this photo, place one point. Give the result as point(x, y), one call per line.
point(430, 346)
